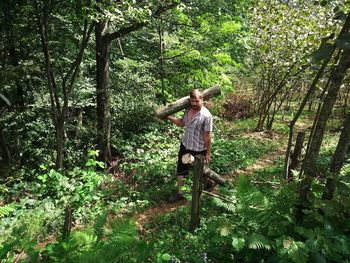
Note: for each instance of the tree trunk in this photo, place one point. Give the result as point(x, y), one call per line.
point(338, 158)
point(102, 90)
point(301, 108)
point(103, 43)
point(296, 154)
point(19, 101)
point(185, 102)
point(59, 111)
point(345, 102)
point(196, 191)
point(60, 142)
point(67, 226)
point(310, 160)
point(161, 59)
point(276, 108)
point(342, 147)
point(3, 145)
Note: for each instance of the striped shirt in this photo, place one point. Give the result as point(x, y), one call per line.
point(193, 138)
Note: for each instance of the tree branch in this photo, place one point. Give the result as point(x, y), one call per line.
point(137, 25)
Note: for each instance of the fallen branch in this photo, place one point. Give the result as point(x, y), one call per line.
point(219, 196)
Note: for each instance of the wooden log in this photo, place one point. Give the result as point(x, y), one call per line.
point(184, 102)
point(189, 159)
point(196, 191)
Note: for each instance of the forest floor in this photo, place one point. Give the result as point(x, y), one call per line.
point(263, 162)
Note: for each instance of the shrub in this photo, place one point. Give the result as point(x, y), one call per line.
point(237, 107)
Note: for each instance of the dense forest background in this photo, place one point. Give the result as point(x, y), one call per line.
point(86, 166)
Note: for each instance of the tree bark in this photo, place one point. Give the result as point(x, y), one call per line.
point(3, 145)
point(309, 93)
point(342, 147)
point(8, 12)
point(161, 59)
point(67, 226)
point(103, 43)
point(338, 158)
point(296, 154)
point(185, 102)
point(310, 160)
point(196, 191)
point(58, 109)
point(102, 92)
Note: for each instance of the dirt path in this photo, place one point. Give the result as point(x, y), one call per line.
point(261, 163)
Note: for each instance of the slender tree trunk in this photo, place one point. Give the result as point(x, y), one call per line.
point(161, 58)
point(19, 102)
point(103, 43)
point(3, 145)
point(59, 111)
point(345, 102)
point(338, 158)
point(309, 165)
point(102, 81)
point(326, 110)
point(295, 156)
point(60, 142)
point(307, 97)
point(342, 147)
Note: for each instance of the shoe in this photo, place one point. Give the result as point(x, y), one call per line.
point(176, 197)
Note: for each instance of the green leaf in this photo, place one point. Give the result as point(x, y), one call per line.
point(238, 243)
point(166, 257)
point(257, 241)
point(5, 99)
point(224, 231)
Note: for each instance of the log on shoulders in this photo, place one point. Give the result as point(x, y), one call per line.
point(184, 102)
point(189, 159)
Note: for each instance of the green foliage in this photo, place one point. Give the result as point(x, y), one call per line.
point(21, 241)
point(206, 47)
point(150, 159)
point(75, 188)
point(257, 241)
point(120, 244)
point(259, 224)
point(99, 224)
point(232, 107)
point(132, 99)
point(7, 209)
point(229, 155)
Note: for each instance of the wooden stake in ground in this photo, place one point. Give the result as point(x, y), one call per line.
point(184, 102)
point(196, 191)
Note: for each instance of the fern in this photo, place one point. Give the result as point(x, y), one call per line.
point(257, 241)
point(228, 206)
point(7, 209)
point(99, 225)
point(121, 244)
point(229, 201)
